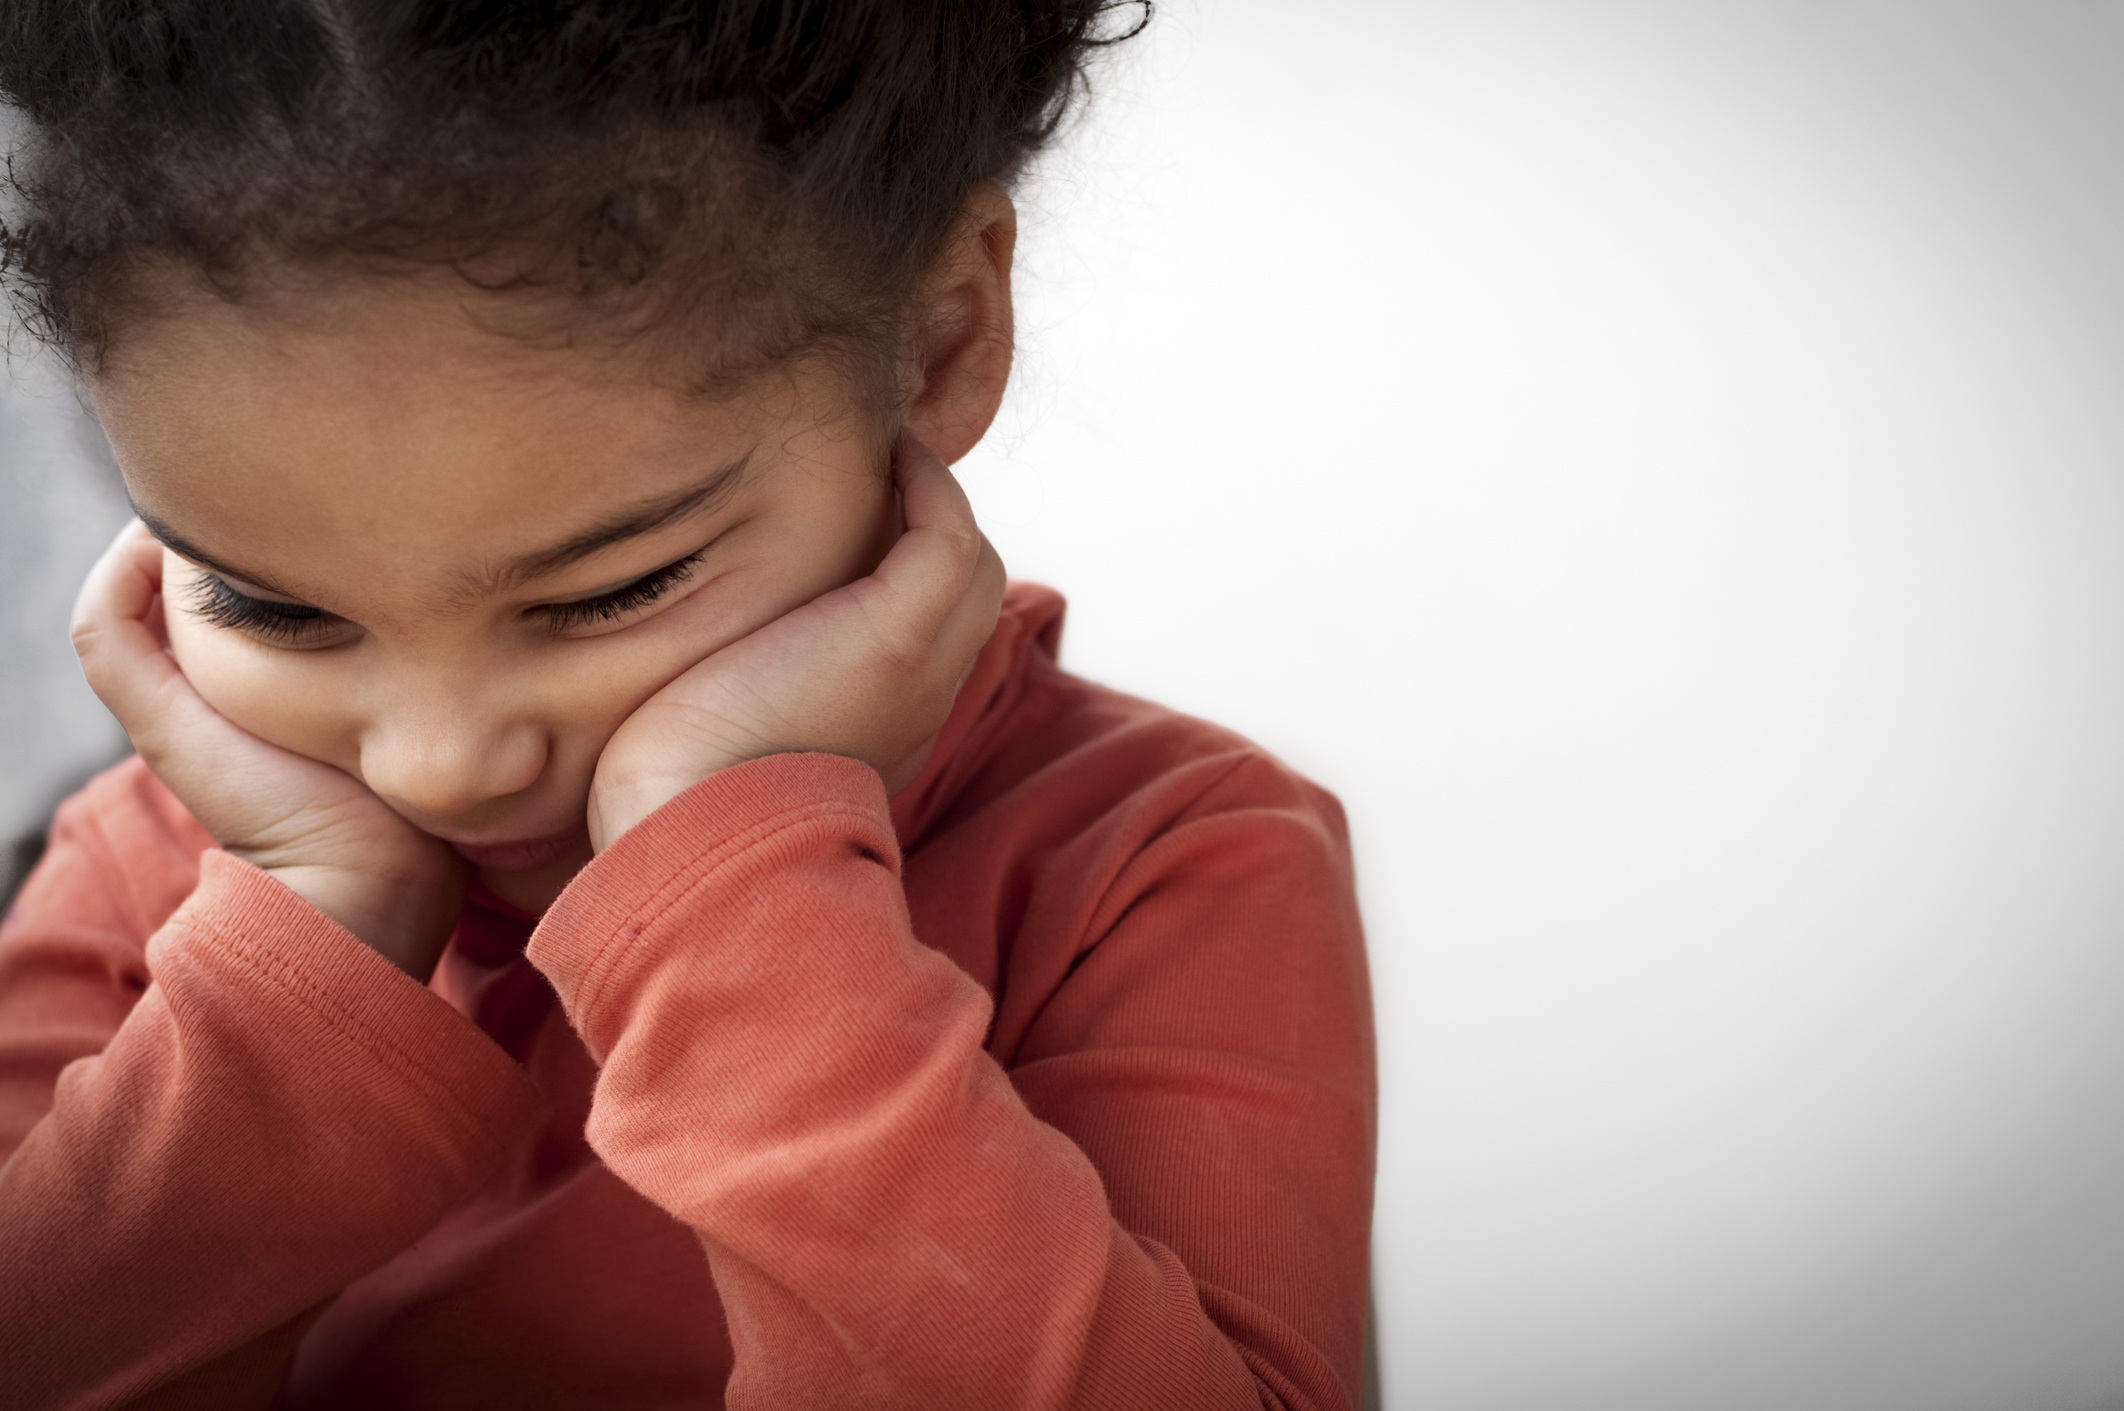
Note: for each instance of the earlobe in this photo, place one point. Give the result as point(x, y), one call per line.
point(960, 361)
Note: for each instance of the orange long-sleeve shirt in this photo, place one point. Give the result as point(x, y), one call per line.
point(1047, 1083)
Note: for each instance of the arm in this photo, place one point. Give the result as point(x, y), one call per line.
point(220, 1114)
point(71, 957)
point(209, 1134)
point(890, 1220)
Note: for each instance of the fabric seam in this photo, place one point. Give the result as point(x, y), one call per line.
point(315, 999)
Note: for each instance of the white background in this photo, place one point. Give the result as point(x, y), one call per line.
point(1661, 464)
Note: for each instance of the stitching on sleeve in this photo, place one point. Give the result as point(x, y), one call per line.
point(315, 998)
point(696, 874)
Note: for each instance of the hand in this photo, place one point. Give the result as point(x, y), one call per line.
point(317, 829)
point(868, 670)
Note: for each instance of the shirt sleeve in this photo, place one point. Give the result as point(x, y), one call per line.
point(213, 1129)
point(1154, 1209)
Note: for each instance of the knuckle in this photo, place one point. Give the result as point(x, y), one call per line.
point(964, 543)
point(86, 633)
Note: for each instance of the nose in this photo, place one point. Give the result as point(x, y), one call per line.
point(450, 759)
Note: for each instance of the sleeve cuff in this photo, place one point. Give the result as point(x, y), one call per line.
point(257, 922)
point(657, 861)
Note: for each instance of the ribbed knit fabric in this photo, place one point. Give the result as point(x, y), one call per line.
point(1047, 1083)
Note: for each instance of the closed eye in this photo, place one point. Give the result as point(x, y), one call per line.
point(216, 602)
point(621, 601)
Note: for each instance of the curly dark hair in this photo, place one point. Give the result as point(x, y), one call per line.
point(774, 175)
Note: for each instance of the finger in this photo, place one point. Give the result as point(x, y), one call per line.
point(942, 541)
point(930, 494)
point(934, 502)
point(124, 578)
point(971, 620)
point(120, 648)
point(119, 636)
point(914, 591)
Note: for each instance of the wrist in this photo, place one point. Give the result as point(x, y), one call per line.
point(618, 805)
point(406, 920)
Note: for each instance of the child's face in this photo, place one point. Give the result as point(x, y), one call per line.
point(479, 526)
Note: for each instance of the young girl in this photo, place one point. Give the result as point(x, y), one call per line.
point(616, 904)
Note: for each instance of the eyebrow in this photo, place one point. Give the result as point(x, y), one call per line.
point(645, 518)
point(185, 548)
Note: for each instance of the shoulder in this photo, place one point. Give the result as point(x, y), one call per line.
point(1119, 873)
point(1120, 753)
point(1117, 750)
point(1065, 769)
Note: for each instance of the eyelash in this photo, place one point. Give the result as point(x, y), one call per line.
point(222, 606)
point(609, 607)
point(216, 602)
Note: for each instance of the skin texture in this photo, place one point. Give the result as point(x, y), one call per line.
point(375, 450)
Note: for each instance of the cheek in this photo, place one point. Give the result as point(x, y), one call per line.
point(770, 568)
point(591, 688)
point(581, 700)
point(272, 698)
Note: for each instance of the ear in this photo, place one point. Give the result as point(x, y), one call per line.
point(958, 354)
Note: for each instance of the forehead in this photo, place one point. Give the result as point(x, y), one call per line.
point(386, 421)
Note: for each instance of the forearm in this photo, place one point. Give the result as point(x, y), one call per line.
point(808, 1089)
point(281, 1112)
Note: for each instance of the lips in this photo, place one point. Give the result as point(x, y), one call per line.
point(528, 855)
